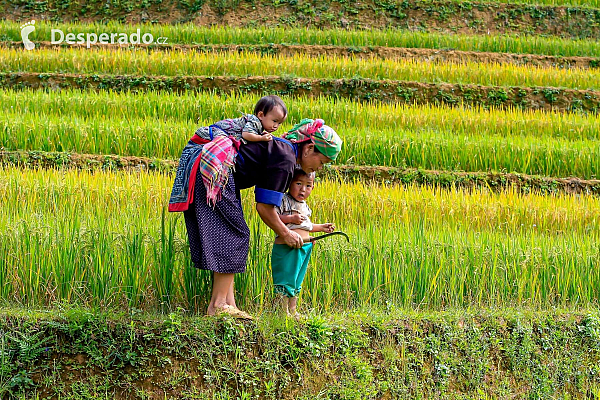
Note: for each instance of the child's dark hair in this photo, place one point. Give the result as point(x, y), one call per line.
point(298, 172)
point(267, 103)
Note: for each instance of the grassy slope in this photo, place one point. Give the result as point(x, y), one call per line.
point(79, 353)
point(429, 15)
point(355, 89)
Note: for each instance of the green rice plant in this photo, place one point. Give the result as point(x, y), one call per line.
point(193, 63)
point(193, 34)
point(205, 108)
point(400, 147)
point(103, 239)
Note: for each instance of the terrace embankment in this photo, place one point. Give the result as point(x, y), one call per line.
point(382, 52)
point(429, 15)
point(79, 353)
point(386, 175)
point(535, 98)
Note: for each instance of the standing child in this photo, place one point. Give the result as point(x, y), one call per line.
point(289, 264)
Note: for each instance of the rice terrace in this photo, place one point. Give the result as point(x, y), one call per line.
point(300, 199)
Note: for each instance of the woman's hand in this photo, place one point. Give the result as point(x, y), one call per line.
point(269, 216)
point(293, 239)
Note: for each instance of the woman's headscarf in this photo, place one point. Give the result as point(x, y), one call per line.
point(325, 139)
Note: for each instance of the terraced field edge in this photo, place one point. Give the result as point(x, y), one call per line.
point(429, 15)
point(394, 53)
point(535, 98)
point(438, 354)
point(386, 175)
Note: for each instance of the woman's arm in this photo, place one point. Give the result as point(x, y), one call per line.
point(272, 219)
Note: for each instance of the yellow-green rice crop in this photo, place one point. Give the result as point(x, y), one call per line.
point(195, 63)
point(401, 145)
point(208, 107)
point(193, 34)
point(102, 239)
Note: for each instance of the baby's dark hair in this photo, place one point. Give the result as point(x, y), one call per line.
point(298, 172)
point(267, 103)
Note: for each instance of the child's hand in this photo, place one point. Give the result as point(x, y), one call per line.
point(328, 227)
point(297, 219)
point(267, 137)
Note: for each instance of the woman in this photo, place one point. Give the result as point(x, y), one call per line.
point(218, 235)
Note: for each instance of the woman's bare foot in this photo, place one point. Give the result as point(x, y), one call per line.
point(231, 311)
point(212, 308)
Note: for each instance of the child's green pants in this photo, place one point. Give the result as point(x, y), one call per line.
point(288, 266)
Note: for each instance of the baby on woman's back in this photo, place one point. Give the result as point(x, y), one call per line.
point(269, 114)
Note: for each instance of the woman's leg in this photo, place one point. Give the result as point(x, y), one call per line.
point(231, 295)
point(222, 284)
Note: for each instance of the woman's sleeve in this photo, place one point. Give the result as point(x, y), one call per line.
point(275, 178)
point(272, 186)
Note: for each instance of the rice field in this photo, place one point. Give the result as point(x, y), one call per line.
point(105, 239)
point(75, 237)
point(194, 63)
point(193, 34)
point(427, 137)
point(395, 148)
point(189, 107)
point(453, 245)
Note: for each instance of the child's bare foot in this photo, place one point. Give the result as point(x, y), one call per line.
point(282, 304)
point(292, 311)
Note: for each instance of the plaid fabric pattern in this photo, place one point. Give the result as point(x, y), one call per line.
point(216, 161)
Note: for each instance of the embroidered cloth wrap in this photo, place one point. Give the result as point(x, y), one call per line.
point(326, 140)
point(215, 159)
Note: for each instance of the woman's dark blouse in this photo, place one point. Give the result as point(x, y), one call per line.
point(269, 166)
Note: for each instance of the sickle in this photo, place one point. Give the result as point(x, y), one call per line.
point(313, 239)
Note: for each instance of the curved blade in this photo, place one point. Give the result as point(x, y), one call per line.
point(315, 238)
